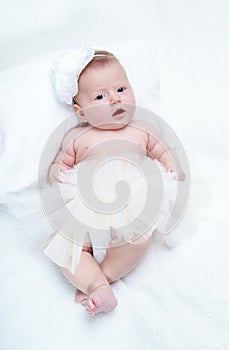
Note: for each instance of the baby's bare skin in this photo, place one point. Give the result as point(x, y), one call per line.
point(85, 143)
point(100, 300)
point(96, 293)
point(82, 143)
point(93, 280)
point(118, 261)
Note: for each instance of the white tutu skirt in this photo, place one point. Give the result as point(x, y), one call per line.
point(103, 203)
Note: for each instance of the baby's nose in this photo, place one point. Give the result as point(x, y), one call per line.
point(115, 98)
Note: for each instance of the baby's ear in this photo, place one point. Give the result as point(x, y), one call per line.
point(78, 110)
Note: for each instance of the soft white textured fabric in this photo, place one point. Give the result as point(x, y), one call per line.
point(79, 216)
point(175, 299)
point(59, 213)
point(65, 72)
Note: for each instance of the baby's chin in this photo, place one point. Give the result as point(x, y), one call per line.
point(111, 126)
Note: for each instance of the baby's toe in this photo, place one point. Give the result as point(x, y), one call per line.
point(97, 302)
point(90, 311)
point(83, 301)
point(90, 304)
point(81, 298)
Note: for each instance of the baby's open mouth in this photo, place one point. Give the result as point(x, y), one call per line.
point(118, 113)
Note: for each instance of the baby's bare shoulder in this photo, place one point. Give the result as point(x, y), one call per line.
point(146, 127)
point(72, 135)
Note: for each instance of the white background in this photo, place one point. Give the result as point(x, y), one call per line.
point(191, 39)
point(188, 304)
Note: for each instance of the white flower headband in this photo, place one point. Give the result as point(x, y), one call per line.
point(65, 72)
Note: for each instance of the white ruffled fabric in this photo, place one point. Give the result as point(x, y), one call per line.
point(56, 215)
point(65, 72)
point(77, 224)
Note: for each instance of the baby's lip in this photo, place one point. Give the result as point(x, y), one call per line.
point(118, 112)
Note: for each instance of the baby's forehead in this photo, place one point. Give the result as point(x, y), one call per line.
point(97, 67)
point(112, 71)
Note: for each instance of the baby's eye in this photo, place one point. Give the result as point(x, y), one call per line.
point(99, 97)
point(121, 89)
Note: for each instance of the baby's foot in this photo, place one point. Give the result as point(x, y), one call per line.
point(81, 297)
point(100, 300)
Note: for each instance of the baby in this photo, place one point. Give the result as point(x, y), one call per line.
point(103, 99)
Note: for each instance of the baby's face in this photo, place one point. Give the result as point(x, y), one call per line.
point(105, 98)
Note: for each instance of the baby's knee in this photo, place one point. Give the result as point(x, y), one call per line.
point(142, 241)
point(88, 249)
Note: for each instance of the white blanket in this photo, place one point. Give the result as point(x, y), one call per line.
point(175, 299)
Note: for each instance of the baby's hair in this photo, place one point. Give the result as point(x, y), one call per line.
point(100, 59)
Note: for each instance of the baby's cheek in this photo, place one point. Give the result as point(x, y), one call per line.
point(131, 98)
point(131, 108)
point(98, 115)
point(92, 112)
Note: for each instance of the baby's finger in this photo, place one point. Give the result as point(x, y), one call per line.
point(180, 175)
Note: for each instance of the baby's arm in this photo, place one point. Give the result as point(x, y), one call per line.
point(65, 158)
point(163, 153)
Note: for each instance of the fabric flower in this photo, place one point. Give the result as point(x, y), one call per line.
point(65, 72)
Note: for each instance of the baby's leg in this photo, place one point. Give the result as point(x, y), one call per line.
point(120, 260)
point(90, 279)
point(80, 296)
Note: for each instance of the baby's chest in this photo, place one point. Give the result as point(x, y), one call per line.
point(97, 142)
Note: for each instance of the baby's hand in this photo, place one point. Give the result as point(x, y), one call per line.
point(54, 174)
point(54, 179)
point(180, 175)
